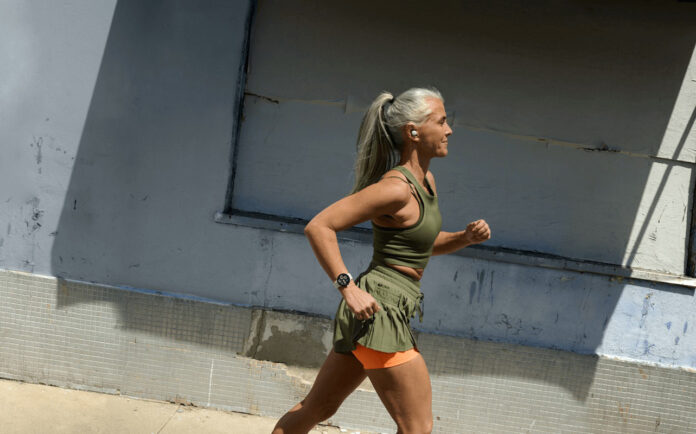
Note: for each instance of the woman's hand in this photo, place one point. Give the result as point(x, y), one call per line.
point(477, 232)
point(362, 304)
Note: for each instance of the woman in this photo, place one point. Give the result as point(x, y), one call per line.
point(372, 335)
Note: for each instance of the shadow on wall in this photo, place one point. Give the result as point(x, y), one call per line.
point(156, 142)
point(152, 161)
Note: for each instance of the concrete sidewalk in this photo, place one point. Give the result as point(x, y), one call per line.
point(34, 408)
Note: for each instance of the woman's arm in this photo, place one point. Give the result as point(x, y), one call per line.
point(384, 197)
point(448, 242)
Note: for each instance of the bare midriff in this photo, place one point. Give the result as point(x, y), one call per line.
point(414, 273)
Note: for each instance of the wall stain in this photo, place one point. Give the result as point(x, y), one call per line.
point(267, 245)
point(647, 346)
point(585, 298)
point(644, 310)
point(38, 142)
point(514, 328)
point(36, 215)
point(624, 412)
point(293, 348)
point(481, 275)
point(260, 316)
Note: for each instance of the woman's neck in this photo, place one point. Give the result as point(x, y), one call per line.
point(418, 166)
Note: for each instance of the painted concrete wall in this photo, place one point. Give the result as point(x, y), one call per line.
point(528, 88)
point(116, 122)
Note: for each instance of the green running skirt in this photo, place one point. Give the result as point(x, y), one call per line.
point(389, 330)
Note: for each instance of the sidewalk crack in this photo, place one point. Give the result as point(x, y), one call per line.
point(170, 418)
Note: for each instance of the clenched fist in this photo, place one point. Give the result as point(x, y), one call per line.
point(477, 232)
point(362, 304)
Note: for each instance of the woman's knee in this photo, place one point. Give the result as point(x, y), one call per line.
point(423, 426)
point(428, 426)
point(320, 410)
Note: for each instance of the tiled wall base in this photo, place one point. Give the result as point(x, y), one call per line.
point(99, 338)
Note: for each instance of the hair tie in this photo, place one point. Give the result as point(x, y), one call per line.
point(386, 106)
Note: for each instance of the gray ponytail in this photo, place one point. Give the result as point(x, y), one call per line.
point(380, 140)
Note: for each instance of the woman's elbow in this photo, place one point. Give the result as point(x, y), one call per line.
point(316, 227)
point(311, 227)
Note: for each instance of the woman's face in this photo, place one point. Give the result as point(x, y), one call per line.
point(434, 131)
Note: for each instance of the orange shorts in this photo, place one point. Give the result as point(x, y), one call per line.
point(373, 359)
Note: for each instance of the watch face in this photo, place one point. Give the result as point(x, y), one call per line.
point(343, 279)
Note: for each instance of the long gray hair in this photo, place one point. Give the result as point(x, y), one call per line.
point(380, 140)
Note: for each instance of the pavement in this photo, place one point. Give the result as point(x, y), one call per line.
point(28, 408)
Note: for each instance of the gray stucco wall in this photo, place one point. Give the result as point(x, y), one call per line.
point(528, 87)
point(116, 120)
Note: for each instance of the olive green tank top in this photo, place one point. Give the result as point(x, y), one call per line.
point(411, 246)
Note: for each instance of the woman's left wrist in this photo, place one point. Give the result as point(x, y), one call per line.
point(464, 238)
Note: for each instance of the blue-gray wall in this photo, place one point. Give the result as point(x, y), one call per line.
point(116, 123)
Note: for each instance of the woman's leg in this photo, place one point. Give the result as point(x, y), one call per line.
point(338, 377)
point(406, 393)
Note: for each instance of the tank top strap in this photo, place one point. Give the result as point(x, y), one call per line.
point(412, 179)
point(410, 184)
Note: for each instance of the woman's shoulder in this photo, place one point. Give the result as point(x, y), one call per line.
point(396, 173)
point(393, 184)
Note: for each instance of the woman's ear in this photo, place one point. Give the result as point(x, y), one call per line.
point(411, 132)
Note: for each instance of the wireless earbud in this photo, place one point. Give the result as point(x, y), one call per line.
point(414, 133)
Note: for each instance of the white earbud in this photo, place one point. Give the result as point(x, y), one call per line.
point(414, 133)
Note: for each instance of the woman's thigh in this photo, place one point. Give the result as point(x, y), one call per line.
point(406, 392)
point(338, 377)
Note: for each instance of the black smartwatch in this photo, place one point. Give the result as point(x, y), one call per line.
point(343, 279)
